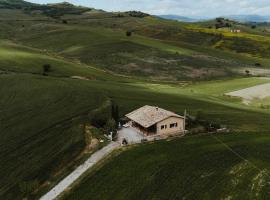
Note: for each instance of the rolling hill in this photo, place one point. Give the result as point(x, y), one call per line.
point(249, 18)
point(179, 18)
point(130, 57)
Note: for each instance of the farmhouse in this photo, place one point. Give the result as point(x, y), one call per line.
point(235, 31)
point(151, 120)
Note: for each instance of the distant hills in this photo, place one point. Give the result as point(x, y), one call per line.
point(239, 18)
point(249, 18)
point(178, 18)
point(51, 10)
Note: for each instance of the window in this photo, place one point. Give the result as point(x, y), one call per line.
point(173, 125)
point(163, 127)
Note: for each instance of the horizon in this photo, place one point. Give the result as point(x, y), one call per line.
point(186, 8)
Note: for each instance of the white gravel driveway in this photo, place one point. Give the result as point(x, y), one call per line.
point(130, 134)
point(65, 183)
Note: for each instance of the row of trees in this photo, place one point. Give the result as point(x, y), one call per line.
point(107, 118)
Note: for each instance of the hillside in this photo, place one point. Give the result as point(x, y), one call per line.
point(157, 49)
point(180, 169)
point(178, 18)
point(95, 57)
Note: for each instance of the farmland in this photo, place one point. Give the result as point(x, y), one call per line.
point(234, 166)
point(43, 116)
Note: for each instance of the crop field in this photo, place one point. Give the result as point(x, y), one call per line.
point(39, 130)
point(233, 166)
point(43, 108)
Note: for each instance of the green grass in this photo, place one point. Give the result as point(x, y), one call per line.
point(234, 166)
point(39, 127)
point(36, 111)
point(141, 55)
point(41, 117)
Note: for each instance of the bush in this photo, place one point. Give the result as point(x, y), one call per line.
point(258, 64)
point(129, 33)
point(46, 68)
point(247, 72)
point(99, 118)
point(137, 14)
point(110, 126)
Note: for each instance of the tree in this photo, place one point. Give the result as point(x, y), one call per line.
point(253, 26)
point(115, 112)
point(64, 21)
point(110, 125)
point(200, 116)
point(46, 69)
point(247, 72)
point(129, 33)
point(258, 64)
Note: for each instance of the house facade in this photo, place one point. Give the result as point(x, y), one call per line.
point(171, 125)
point(151, 120)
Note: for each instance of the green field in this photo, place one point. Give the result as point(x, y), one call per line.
point(233, 166)
point(92, 60)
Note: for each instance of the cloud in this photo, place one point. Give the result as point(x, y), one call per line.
point(210, 8)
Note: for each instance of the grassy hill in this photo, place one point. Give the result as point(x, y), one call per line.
point(158, 49)
point(234, 166)
point(92, 60)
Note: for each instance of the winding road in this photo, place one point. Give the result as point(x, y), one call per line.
point(75, 175)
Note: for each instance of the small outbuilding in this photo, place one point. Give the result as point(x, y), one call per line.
point(152, 120)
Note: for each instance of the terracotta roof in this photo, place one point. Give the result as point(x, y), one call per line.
point(147, 116)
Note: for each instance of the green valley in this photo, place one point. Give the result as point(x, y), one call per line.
point(133, 59)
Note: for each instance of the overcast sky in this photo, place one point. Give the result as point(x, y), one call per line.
point(209, 8)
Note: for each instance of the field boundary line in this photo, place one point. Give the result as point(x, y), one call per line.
point(237, 154)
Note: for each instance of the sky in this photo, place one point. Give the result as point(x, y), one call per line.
point(190, 8)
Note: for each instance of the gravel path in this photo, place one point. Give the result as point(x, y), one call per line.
point(130, 134)
point(256, 92)
point(65, 183)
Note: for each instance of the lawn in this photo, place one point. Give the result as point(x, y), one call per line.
point(233, 166)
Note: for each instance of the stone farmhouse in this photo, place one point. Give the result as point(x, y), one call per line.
point(151, 120)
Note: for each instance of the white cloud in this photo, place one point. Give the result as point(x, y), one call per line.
point(210, 8)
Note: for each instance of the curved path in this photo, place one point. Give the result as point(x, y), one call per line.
point(71, 178)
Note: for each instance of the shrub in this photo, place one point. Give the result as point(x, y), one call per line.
point(110, 126)
point(137, 14)
point(46, 68)
point(258, 64)
point(129, 33)
point(247, 72)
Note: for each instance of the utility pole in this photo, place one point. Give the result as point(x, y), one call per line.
point(185, 117)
